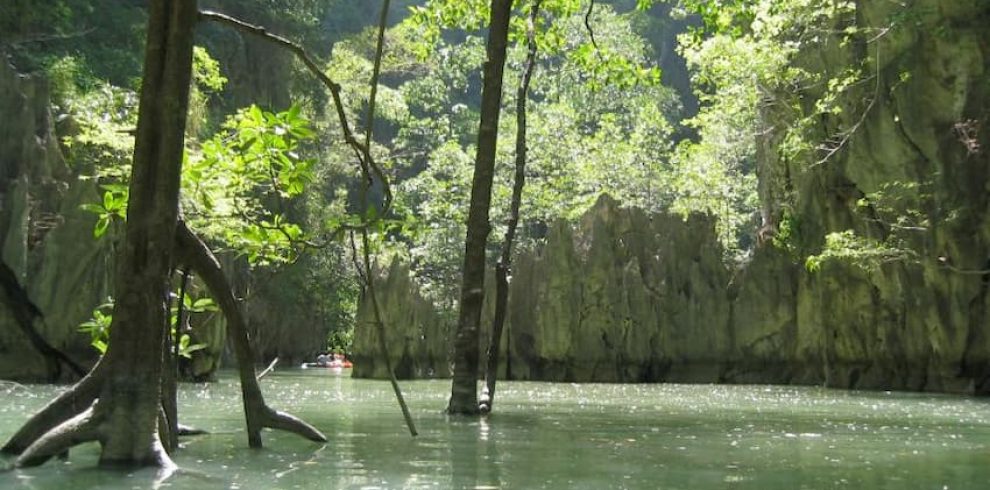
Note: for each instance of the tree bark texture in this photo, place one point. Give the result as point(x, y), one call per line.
point(130, 399)
point(196, 255)
point(464, 392)
point(504, 267)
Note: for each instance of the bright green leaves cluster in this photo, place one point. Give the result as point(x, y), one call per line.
point(896, 209)
point(207, 80)
point(206, 70)
point(604, 63)
point(98, 326)
point(608, 68)
point(866, 253)
point(431, 19)
point(727, 17)
point(732, 17)
point(238, 186)
point(112, 209)
point(101, 122)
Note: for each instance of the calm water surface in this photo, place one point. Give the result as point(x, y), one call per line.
point(554, 436)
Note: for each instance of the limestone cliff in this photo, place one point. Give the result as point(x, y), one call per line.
point(622, 296)
point(44, 236)
point(416, 335)
point(915, 134)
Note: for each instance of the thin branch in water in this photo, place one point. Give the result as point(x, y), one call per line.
point(365, 241)
point(267, 370)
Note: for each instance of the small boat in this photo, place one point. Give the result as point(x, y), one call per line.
point(336, 361)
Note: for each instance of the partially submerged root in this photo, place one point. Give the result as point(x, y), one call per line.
point(69, 404)
point(198, 256)
point(77, 430)
point(275, 419)
point(185, 430)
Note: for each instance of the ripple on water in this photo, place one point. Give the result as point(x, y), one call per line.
point(558, 436)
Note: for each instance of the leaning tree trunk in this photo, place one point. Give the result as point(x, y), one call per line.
point(504, 267)
point(125, 418)
point(464, 392)
point(197, 256)
point(26, 314)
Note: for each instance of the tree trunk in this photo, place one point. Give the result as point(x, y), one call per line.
point(130, 399)
point(125, 418)
point(464, 392)
point(197, 256)
point(504, 267)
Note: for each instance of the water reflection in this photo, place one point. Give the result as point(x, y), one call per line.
point(556, 436)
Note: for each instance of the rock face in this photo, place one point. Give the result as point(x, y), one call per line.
point(44, 236)
point(916, 133)
point(622, 296)
point(415, 334)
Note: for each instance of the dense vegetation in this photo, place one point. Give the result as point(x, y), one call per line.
point(612, 104)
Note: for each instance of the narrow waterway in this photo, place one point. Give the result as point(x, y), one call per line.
point(554, 436)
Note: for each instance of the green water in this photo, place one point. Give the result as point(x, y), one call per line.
point(555, 436)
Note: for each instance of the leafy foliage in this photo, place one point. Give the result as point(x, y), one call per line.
point(868, 254)
point(598, 124)
point(98, 327)
point(237, 185)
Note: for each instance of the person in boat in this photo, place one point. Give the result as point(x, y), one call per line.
point(323, 360)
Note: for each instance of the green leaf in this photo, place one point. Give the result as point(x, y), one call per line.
point(101, 226)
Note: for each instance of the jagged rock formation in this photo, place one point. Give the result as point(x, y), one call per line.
point(919, 323)
point(627, 297)
point(417, 336)
point(45, 238)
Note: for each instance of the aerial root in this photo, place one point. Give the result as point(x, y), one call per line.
point(185, 430)
point(194, 252)
point(77, 430)
point(283, 421)
point(64, 407)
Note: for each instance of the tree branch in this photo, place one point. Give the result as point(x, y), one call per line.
point(26, 313)
point(197, 255)
point(365, 241)
point(591, 32)
point(367, 162)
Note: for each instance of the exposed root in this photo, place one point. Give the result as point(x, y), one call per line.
point(185, 430)
point(198, 256)
point(283, 421)
point(67, 405)
point(77, 430)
